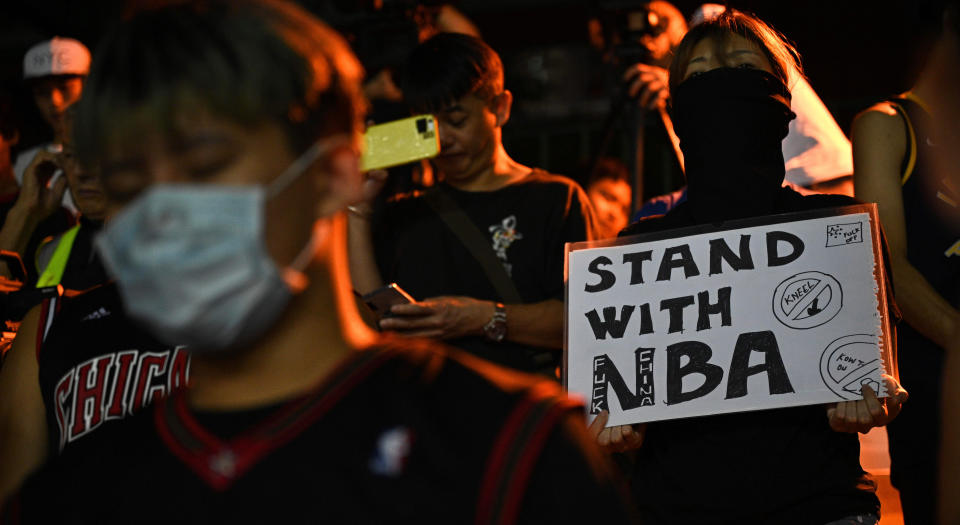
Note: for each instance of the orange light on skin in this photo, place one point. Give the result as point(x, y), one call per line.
point(611, 200)
point(334, 250)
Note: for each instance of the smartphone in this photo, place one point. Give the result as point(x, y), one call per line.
point(400, 142)
point(379, 301)
point(47, 172)
point(53, 178)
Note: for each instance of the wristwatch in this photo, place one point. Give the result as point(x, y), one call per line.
point(496, 328)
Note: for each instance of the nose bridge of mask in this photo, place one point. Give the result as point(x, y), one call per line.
point(299, 166)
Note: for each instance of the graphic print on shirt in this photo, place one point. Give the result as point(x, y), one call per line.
point(504, 234)
point(393, 448)
point(113, 386)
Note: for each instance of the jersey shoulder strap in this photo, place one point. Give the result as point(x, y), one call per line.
point(516, 451)
point(914, 112)
point(52, 257)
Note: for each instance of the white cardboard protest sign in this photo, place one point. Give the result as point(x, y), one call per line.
point(768, 312)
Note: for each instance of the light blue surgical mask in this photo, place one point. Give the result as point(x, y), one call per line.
point(191, 264)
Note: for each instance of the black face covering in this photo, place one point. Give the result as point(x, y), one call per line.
point(731, 122)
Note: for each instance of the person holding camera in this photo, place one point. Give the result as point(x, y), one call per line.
point(482, 251)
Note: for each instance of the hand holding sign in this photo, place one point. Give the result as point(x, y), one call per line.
point(869, 412)
point(619, 438)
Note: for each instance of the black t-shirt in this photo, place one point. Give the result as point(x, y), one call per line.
point(783, 466)
point(396, 434)
point(97, 365)
point(526, 224)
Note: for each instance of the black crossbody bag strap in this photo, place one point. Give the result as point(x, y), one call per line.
point(471, 237)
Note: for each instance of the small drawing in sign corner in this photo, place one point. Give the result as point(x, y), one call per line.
point(807, 300)
point(849, 363)
point(844, 234)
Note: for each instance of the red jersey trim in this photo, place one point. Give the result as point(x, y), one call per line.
point(220, 463)
point(526, 459)
point(48, 310)
point(514, 454)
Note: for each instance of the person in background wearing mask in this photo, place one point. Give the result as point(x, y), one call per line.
point(905, 154)
point(232, 241)
point(731, 108)
point(816, 152)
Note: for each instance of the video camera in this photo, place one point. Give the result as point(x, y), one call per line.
point(625, 24)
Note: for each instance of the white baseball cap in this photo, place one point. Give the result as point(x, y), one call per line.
point(57, 56)
point(706, 12)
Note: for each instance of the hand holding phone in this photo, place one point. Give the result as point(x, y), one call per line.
point(43, 184)
point(382, 299)
point(400, 142)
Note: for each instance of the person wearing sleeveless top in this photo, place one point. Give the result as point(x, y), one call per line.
point(901, 148)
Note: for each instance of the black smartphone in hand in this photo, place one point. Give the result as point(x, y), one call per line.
point(382, 299)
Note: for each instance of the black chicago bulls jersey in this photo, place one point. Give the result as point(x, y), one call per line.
point(394, 435)
point(96, 365)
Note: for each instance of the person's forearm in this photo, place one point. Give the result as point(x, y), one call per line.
point(363, 266)
point(922, 307)
point(536, 324)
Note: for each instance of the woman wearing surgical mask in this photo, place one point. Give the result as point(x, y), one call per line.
point(731, 109)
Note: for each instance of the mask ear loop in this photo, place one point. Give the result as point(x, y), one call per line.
point(299, 166)
point(293, 274)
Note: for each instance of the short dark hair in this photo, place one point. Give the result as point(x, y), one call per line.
point(246, 60)
point(448, 67)
point(783, 57)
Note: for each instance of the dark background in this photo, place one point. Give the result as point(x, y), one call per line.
point(855, 52)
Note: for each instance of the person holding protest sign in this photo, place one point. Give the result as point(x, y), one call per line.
point(235, 157)
point(731, 106)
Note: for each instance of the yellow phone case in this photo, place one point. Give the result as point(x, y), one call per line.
point(399, 142)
